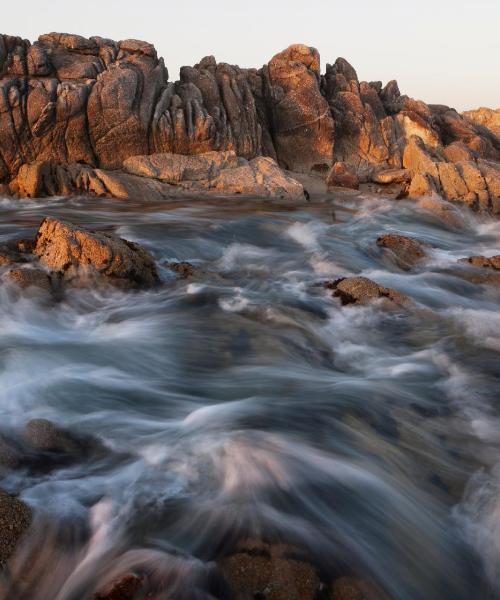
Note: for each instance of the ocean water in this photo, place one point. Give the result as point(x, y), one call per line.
point(246, 401)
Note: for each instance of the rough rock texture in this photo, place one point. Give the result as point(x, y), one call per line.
point(73, 252)
point(218, 171)
point(485, 117)
point(406, 251)
point(493, 262)
point(30, 277)
point(73, 109)
point(342, 175)
point(388, 176)
point(15, 518)
point(262, 571)
point(361, 290)
point(175, 168)
point(302, 125)
point(158, 177)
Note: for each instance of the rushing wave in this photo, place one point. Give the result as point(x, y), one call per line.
point(250, 403)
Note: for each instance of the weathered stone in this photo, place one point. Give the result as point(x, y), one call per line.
point(493, 262)
point(342, 175)
point(453, 186)
point(74, 252)
point(174, 168)
point(72, 109)
point(458, 152)
point(418, 160)
point(422, 184)
point(301, 120)
point(361, 290)
point(485, 117)
point(407, 251)
point(267, 572)
point(15, 519)
point(413, 124)
point(260, 177)
point(389, 176)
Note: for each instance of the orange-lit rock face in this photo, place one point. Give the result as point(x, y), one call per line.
point(302, 123)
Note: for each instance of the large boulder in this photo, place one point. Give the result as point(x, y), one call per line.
point(259, 177)
point(75, 253)
point(174, 168)
point(15, 519)
point(302, 125)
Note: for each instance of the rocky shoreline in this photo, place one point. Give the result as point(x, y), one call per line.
point(97, 117)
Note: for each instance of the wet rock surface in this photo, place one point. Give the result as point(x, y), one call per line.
point(361, 290)
point(493, 262)
point(407, 251)
point(15, 519)
point(269, 572)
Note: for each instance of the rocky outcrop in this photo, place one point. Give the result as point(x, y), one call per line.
point(361, 290)
point(74, 253)
point(158, 177)
point(222, 172)
point(74, 111)
point(301, 124)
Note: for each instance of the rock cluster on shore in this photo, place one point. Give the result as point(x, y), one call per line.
point(75, 112)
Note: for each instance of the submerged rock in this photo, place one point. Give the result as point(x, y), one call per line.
point(493, 262)
point(30, 277)
point(407, 251)
point(45, 436)
point(127, 588)
point(15, 519)
point(74, 253)
point(184, 269)
point(361, 290)
point(269, 572)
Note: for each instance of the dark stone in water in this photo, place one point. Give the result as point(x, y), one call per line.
point(127, 588)
point(184, 269)
point(15, 518)
point(259, 570)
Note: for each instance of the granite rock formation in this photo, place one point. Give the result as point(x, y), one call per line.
point(74, 253)
point(81, 108)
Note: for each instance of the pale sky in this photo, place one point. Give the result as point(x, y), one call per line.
point(440, 51)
